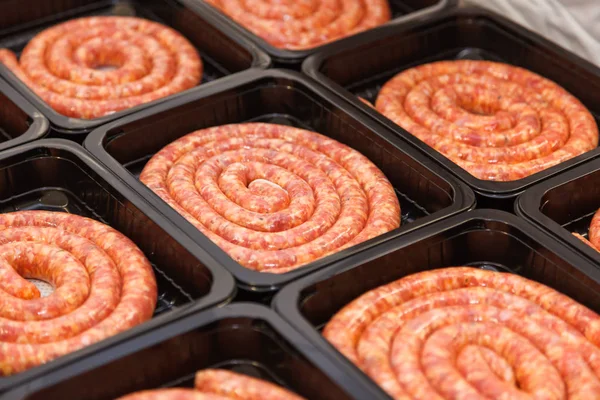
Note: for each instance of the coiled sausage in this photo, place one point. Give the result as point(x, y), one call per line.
point(103, 285)
point(497, 121)
point(273, 197)
point(61, 65)
point(214, 384)
point(306, 24)
point(468, 333)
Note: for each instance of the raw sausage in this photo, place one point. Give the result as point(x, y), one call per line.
point(463, 332)
point(306, 24)
point(273, 197)
point(497, 121)
point(214, 384)
point(103, 285)
point(61, 65)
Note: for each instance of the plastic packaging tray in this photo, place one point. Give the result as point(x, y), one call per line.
point(57, 175)
point(19, 121)
point(426, 192)
point(488, 239)
point(465, 33)
point(245, 338)
point(402, 11)
point(565, 204)
point(221, 55)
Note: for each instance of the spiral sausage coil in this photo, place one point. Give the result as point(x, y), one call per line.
point(273, 197)
point(63, 64)
point(300, 25)
point(469, 333)
point(497, 121)
point(103, 285)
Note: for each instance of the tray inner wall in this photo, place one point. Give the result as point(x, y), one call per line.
point(573, 204)
point(244, 345)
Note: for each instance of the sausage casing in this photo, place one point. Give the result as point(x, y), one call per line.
point(468, 333)
point(497, 121)
point(103, 285)
point(273, 197)
point(305, 24)
point(63, 65)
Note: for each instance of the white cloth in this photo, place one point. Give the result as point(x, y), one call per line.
point(573, 24)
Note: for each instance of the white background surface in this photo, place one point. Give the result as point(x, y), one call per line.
point(573, 24)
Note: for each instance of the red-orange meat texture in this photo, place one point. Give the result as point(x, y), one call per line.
point(273, 197)
point(214, 384)
point(499, 122)
point(299, 25)
point(465, 333)
point(65, 65)
point(103, 285)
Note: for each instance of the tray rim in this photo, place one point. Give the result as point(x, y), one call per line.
point(295, 57)
point(39, 126)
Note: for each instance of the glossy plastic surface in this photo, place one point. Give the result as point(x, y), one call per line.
point(20, 122)
point(565, 205)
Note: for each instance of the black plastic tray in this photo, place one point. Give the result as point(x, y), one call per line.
point(19, 121)
point(465, 33)
point(245, 338)
point(58, 175)
point(489, 239)
point(565, 204)
point(221, 55)
point(402, 11)
point(426, 192)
